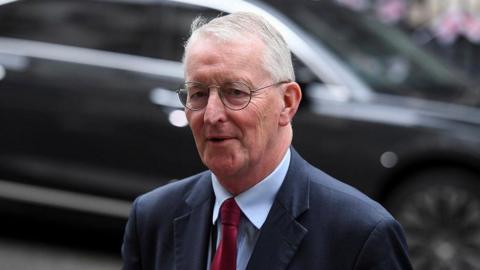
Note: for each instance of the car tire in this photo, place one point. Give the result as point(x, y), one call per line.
point(440, 212)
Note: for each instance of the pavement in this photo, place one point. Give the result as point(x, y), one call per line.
point(27, 255)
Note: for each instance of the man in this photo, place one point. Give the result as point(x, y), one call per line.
point(260, 206)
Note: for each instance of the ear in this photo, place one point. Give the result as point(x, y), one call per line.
point(292, 95)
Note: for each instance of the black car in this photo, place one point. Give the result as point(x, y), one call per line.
point(90, 119)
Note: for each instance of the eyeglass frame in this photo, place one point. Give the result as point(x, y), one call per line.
point(220, 93)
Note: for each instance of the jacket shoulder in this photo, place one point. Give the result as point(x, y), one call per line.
point(346, 220)
point(172, 196)
point(345, 199)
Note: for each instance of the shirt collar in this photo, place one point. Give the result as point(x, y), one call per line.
point(255, 202)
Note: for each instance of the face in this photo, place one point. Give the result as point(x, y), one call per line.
point(234, 144)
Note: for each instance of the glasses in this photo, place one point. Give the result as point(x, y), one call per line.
point(234, 95)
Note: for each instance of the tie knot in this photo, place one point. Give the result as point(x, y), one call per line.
point(230, 212)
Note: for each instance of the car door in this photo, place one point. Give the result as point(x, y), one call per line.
point(87, 100)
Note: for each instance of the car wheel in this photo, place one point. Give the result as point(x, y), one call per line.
point(440, 212)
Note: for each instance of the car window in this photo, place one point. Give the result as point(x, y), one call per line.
point(382, 56)
point(157, 30)
point(303, 74)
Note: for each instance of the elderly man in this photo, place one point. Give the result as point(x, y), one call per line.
point(260, 206)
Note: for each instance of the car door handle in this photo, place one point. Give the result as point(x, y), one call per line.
point(2, 72)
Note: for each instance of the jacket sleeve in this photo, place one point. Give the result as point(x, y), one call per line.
point(385, 248)
point(130, 246)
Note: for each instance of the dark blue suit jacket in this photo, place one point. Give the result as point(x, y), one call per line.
point(316, 222)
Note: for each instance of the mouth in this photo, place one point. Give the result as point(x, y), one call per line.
point(219, 139)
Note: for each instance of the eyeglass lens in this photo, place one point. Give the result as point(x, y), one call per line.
point(234, 95)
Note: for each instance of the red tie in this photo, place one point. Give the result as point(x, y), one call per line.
point(226, 255)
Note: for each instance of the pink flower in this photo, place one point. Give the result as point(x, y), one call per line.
point(449, 27)
point(391, 11)
point(471, 28)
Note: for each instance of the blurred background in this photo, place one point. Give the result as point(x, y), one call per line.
point(89, 117)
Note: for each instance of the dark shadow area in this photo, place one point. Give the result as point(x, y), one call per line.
point(62, 228)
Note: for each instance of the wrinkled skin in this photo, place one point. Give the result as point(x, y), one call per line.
point(240, 147)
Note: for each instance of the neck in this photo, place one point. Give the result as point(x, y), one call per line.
point(240, 182)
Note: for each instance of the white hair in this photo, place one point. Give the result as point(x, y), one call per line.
point(277, 60)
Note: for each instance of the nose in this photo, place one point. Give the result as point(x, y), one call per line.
point(215, 110)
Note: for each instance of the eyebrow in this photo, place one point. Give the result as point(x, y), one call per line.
point(244, 81)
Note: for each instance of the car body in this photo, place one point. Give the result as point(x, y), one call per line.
point(90, 118)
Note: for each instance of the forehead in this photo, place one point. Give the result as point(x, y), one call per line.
point(211, 58)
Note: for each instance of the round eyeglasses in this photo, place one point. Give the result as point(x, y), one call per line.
point(234, 95)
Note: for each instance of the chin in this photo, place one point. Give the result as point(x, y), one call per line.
point(222, 164)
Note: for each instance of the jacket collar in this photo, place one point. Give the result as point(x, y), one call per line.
point(282, 234)
point(192, 230)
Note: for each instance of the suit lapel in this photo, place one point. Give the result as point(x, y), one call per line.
point(192, 230)
point(282, 234)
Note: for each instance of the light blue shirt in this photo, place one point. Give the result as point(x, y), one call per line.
point(255, 204)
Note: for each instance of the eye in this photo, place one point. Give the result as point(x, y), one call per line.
point(196, 91)
point(196, 94)
point(235, 93)
point(236, 90)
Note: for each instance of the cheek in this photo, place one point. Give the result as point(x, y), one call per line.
point(195, 122)
point(262, 126)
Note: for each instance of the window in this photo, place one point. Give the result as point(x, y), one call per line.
point(154, 30)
